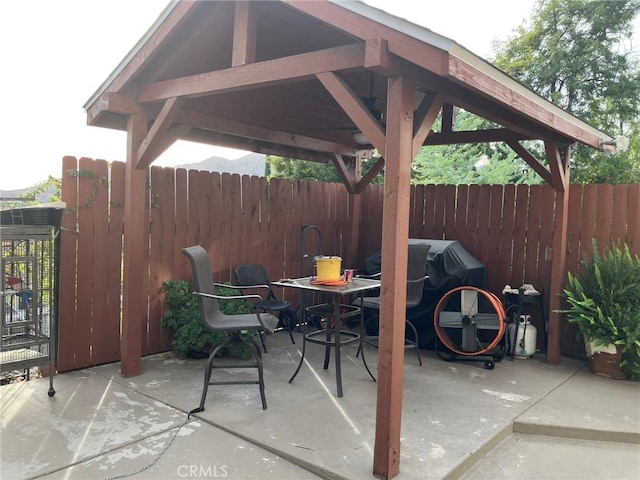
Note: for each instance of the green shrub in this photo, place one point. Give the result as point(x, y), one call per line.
point(190, 337)
point(604, 301)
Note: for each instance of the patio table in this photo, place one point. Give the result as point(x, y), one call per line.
point(332, 333)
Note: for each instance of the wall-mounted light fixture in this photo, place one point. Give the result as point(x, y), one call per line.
point(620, 144)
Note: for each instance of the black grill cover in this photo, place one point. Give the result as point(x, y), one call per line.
point(449, 265)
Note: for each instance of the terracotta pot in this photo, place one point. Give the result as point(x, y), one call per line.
point(605, 361)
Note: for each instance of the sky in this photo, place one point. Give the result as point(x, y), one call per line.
point(57, 53)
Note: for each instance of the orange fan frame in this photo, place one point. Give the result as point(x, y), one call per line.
point(444, 336)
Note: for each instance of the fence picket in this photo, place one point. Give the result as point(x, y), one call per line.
point(87, 186)
point(180, 266)
point(494, 225)
point(102, 328)
point(633, 217)
point(604, 215)
point(619, 204)
point(168, 206)
point(156, 247)
point(115, 245)
point(67, 273)
point(506, 236)
point(533, 234)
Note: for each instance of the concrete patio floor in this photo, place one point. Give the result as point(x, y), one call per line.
point(524, 419)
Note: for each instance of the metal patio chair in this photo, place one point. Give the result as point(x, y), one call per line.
point(214, 320)
point(416, 268)
point(254, 276)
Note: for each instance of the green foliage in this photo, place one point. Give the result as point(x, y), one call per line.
point(49, 190)
point(471, 164)
point(479, 163)
point(190, 337)
point(578, 54)
point(603, 301)
point(280, 167)
point(97, 181)
point(233, 306)
point(491, 163)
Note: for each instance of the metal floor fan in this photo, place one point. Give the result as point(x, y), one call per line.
point(470, 323)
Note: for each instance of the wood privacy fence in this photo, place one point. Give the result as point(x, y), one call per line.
point(249, 220)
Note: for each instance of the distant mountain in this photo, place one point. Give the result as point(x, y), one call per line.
point(251, 164)
point(10, 194)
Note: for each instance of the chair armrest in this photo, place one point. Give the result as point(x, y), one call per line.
point(268, 329)
point(231, 297)
point(375, 275)
point(243, 287)
point(416, 280)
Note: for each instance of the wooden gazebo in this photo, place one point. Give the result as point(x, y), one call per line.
point(328, 82)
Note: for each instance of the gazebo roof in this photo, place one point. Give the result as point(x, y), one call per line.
point(259, 88)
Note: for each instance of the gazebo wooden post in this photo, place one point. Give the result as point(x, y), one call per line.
point(355, 209)
point(395, 233)
point(559, 166)
point(558, 177)
point(558, 267)
point(134, 244)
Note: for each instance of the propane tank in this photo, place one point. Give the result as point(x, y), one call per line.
point(524, 345)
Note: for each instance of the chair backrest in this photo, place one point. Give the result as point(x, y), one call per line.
point(203, 282)
point(416, 269)
point(252, 275)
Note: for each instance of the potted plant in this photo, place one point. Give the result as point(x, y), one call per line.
point(190, 337)
point(603, 300)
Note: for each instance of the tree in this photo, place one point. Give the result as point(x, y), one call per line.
point(49, 190)
point(281, 167)
point(477, 163)
point(578, 54)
